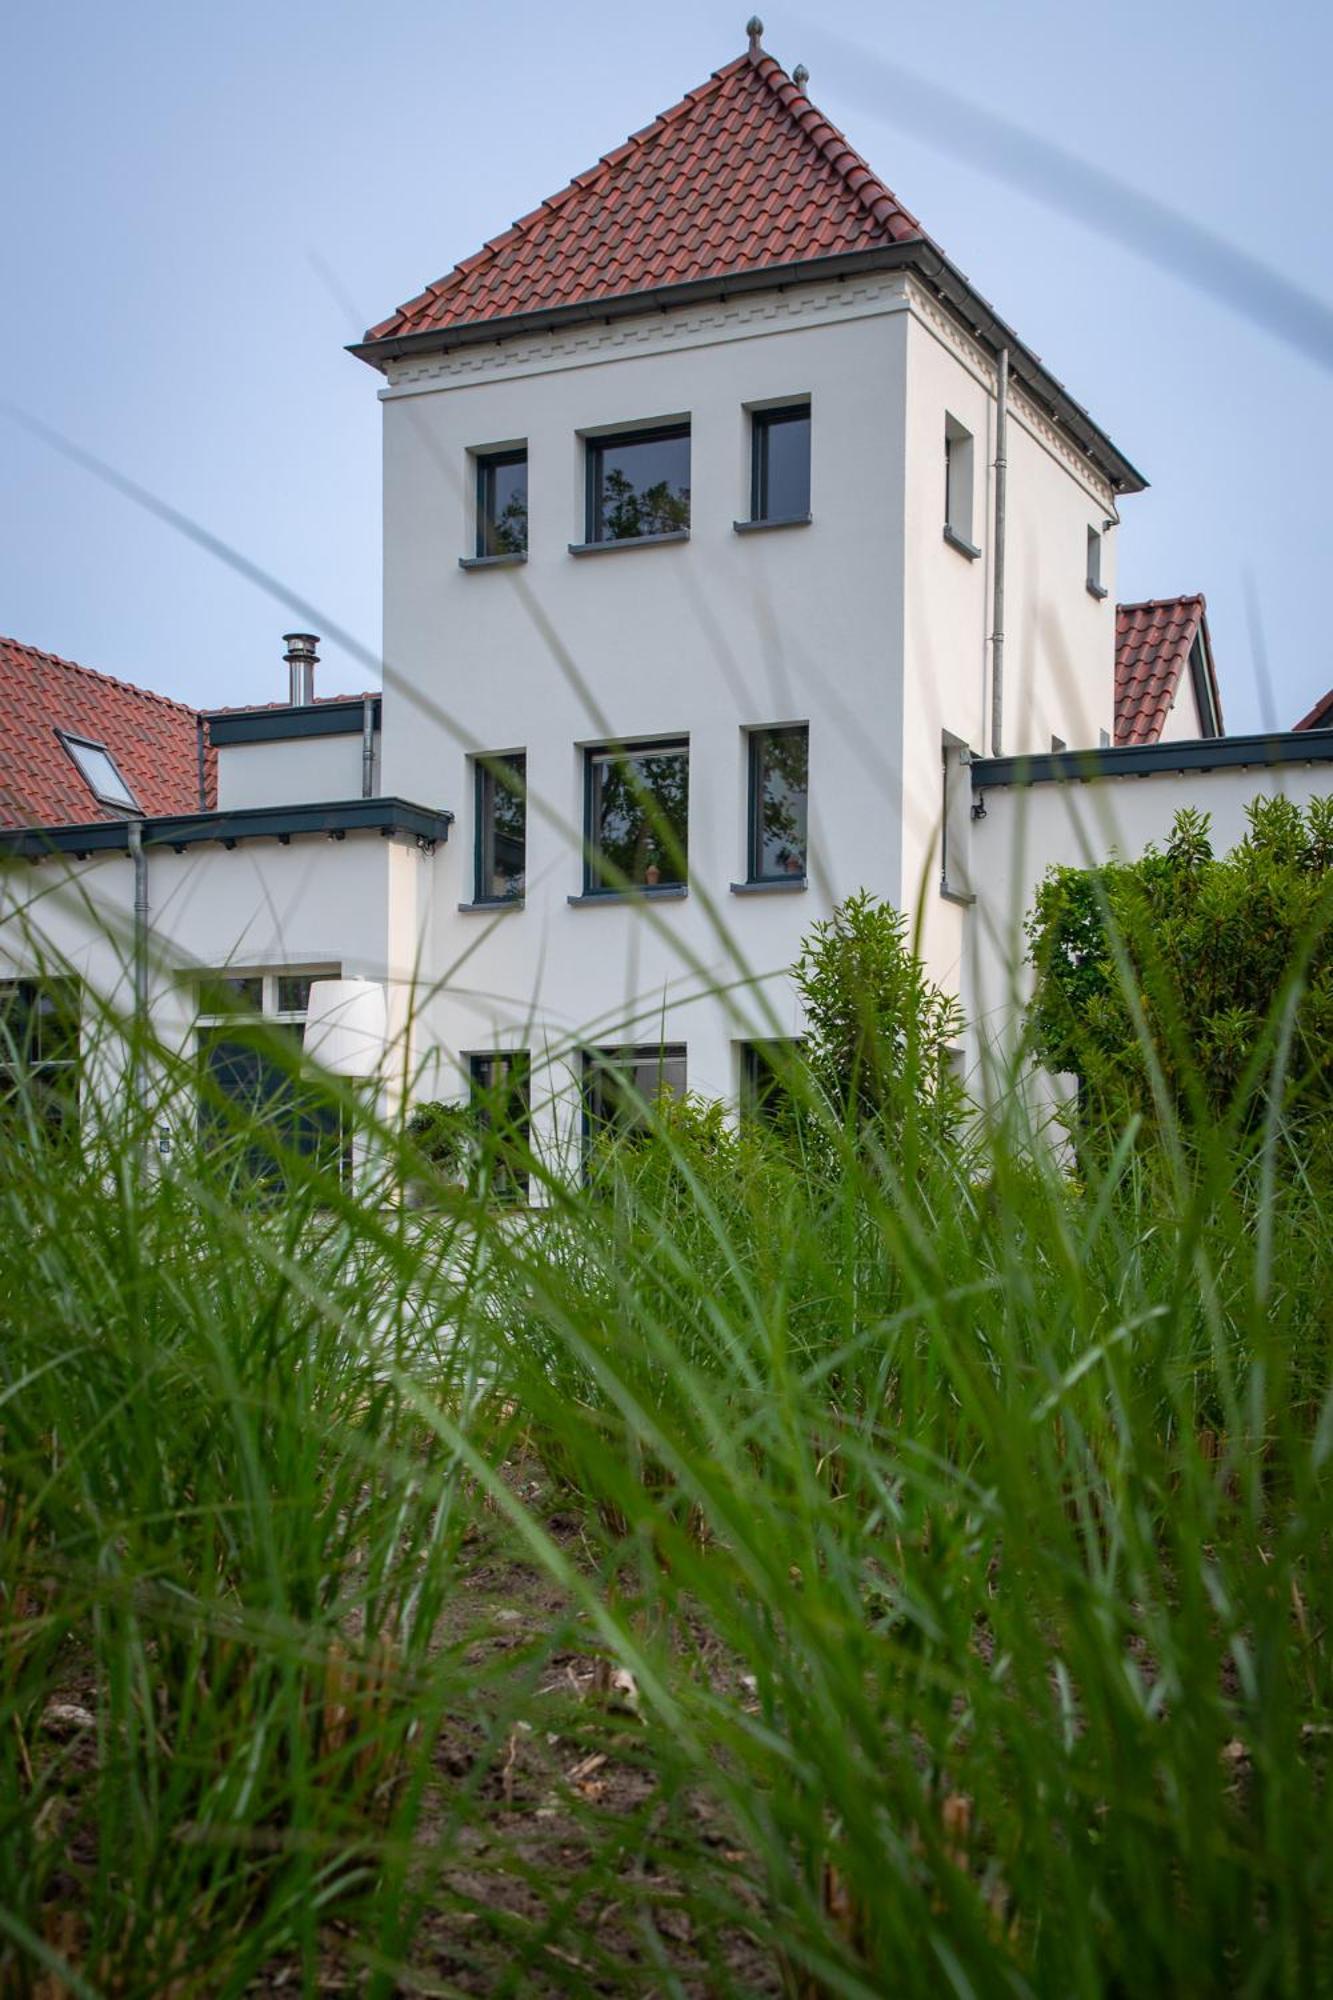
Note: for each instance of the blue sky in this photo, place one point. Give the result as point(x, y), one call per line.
point(202, 205)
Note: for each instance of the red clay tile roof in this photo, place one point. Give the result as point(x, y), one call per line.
point(744, 173)
point(1152, 649)
point(152, 740)
point(1320, 716)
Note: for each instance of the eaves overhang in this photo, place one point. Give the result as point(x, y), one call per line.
point(282, 725)
point(1150, 760)
point(921, 257)
point(333, 820)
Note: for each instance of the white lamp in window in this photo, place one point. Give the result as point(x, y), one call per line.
point(346, 1025)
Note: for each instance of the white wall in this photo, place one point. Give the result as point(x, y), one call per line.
point(294, 770)
point(704, 639)
point(1059, 640)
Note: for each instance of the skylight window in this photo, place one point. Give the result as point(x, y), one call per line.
point(100, 772)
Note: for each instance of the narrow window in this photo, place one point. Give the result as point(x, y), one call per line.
point(766, 1069)
point(639, 484)
point(621, 1085)
point(502, 813)
point(502, 503)
point(1095, 585)
point(500, 1085)
point(39, 1055)
point(958, 458)
point(780, 464)
point(638, 807)
point(779, 803)
point(956, 820)
point(100, 772)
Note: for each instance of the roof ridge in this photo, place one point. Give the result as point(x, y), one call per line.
point(856, 172)
point(96, 674)
point(1160, 603)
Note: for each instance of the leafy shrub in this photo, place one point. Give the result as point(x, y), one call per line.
point(879, 1031)
point(1185, 965)
point(445, 1135)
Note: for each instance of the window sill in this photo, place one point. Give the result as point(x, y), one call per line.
point(1097, 590)
point(492, 562)
point(663, 892)
point(779, 521)
point(959, 896)
point(485, 903)
point(787, 886)
point(628, 542)
point(957, 542)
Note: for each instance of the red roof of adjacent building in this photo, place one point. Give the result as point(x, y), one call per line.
point(153, 742)
point(1320, 716)
point(1153, 642)
point(743, 174)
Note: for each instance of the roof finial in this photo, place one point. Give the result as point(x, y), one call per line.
point(754, 28)
point(800, 76)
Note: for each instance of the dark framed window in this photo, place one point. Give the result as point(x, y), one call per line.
point(779, 803)
point(502, 818)
point(639, 484)
point(40, 1047)
point(766, 1079)
point(621, 1085)
point(500, 1089)
point(100, 772)
point(257, 1104)
point(637, 813)
point(780, 463)
point(502, 503)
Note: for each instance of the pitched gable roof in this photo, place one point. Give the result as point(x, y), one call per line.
point(742, 175)
point(1154, 643)
point(741, 186)
point(153, 741)
point(1320, 716)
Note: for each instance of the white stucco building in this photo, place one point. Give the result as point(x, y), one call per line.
point(734, 550)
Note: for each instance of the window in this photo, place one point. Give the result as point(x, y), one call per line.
point(638, 803)
point(956, 821)
point(502, 503)
point(1095, 585)
point(39, 1054)
point(766, 1079)
point(502, 813)
point(958, 456)
point(780, 464)
point(639, 484)
point(620, 1086)
point(100, 772)
point(254, 1102)
point(501, 1098)
point(779, 803)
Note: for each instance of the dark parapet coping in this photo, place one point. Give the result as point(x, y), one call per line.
point(334, 819)
point(1149, 760)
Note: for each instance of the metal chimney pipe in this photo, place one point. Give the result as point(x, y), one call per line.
point(302, 657)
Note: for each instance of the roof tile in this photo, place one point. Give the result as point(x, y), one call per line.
point(153, 741)
point(1152, 647)
point(741, 175)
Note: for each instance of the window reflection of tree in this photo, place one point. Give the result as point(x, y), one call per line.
point(627, 514)
point(782, 800)
point(641, 818)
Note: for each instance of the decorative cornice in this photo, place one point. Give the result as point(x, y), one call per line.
point(662, 332)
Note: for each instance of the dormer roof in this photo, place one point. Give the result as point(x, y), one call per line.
point(1155, 642)
point(742, 185)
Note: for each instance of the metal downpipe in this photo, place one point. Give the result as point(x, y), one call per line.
point(997, 621)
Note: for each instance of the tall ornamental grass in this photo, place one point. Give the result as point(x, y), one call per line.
point(933, 1536)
